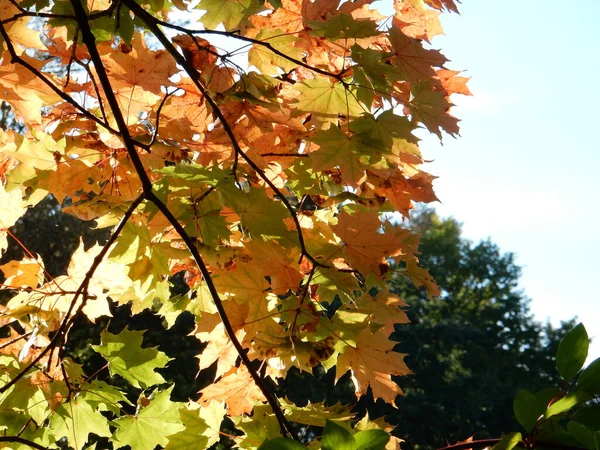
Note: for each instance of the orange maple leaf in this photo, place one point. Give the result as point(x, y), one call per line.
point(373, 362)
point(237, 389)
point(364, 247)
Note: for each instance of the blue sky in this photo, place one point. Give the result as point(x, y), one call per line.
point(525, 170)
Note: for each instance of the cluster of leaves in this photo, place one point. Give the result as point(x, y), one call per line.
point(562, 417)
point(266, 188)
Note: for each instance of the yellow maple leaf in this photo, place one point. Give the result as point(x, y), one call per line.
point(28, 272)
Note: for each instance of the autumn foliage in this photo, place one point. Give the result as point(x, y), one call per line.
point(265, 182)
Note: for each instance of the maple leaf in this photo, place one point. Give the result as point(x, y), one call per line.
point(13, 207)
point(366, 423)
point(27, 272)
point(384, 309)
point(444, 4)
point(325, 100)
point(230, 13)
point(421, 277)
point(316, 414)
point(452, 83)
point(373, 362)
point(127, 358)
point(364, 247)
point(418, 23)
point(157, 419)
point(245, 284)
point(103, 396)
point(197, 51)
point(277, 263)
point(75, 420)
point(344, 26)
point(416, 62)
point(202, 426)
point(27, 397)
point(24, 91)
point(237, 389)
point(137, 65)
point(337, 149)
point(431, 107)
point(257, 431)
point(261, 216)
point(267, 61)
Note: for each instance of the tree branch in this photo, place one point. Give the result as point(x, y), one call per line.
point(472, 444)
point(23, 441)
point(90, 42)
point(482, 443)
point(336, 76)
point(15, 59)
point(151, 22)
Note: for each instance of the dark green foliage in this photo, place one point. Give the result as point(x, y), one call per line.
point(565, 416)
point(473, 348)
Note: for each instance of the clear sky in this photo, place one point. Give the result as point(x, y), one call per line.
point(525, 171)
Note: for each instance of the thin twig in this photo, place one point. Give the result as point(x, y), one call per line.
point(17, 339)
point(24, 13)
point(86, 67)
point(72, 58)
point(295, 155)
point(336, 76)
point(23, 441)
point(15, 59)
point(482, 443)
point(477, 444)
point(160, 107)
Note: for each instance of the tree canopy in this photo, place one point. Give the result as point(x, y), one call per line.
point(265, 186)
point(473, 347)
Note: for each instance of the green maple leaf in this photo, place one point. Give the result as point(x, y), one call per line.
point(25, 397)
point(202, 425)
point(332, 283)
point(326, 100)
point(260, 428)
point(151, 425)
point(431, 107)
point(268, 62)
point(316, 414)
point(344, 26)
point(75, 420)
point(351, 154)
point(231, 13)
point(103, 396)
point(371, 63)
point(209, 224)
point(259, 214)
point(127, 358)
point(392, 133)
point(190, 175)
point(132, 244)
